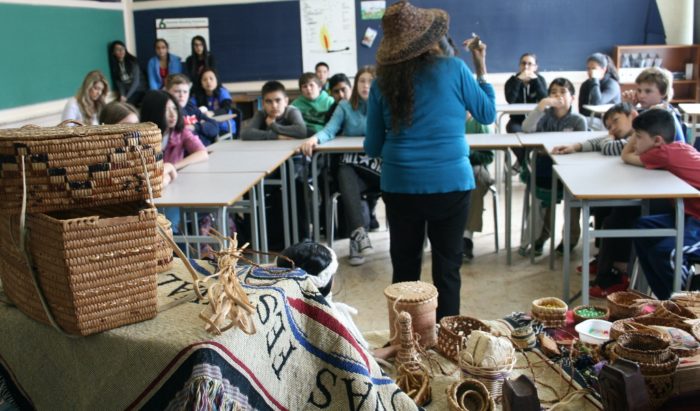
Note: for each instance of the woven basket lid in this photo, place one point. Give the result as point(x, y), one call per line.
point(61, 132)
point(411, 291)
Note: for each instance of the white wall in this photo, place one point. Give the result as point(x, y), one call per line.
point(677, 16)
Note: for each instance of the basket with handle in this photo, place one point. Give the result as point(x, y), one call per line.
point(78, 167)
point(452, 330)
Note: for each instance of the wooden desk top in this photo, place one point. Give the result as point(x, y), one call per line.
point(492, 141)
point(561, 138)
point(690, 108)
point(598, 109)
point(239, 162)
point(519, 108)
point(258, 145)
point(342, 144)
point(616, 180)
point(207, 190)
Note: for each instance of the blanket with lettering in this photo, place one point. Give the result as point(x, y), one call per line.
point(301, 357)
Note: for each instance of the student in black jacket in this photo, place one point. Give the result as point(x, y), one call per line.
point(525, 86)
point(128, 79)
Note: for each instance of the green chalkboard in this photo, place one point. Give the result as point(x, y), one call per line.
point(46, 51)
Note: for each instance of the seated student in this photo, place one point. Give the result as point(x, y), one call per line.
point(479, 160)
point(340, 89)
point(602, 86)
point(618, 121)
point(200, 59)
point(654, 147)
point(313, 103)
point(322, 72)
point(180, 146)
point(321, 263)
point(277, 120)
point(206, 128)
point(161, 65)
point(213, 98)
point(551, 114)
point(655, 90)
point(127, 78)
point(356, 172)
point(89, 100)
point(118, 112)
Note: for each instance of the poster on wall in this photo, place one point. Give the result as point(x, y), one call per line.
point(328, 34)
point(372, 10)
point(179, 32)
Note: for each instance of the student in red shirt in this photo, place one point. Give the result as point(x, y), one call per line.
point(653, 147)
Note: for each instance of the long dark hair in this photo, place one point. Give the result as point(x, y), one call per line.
point(355, 96)
point(200, 95)
point(205, 53)
point(395, 81)
point(153, 110)
point(129, 61)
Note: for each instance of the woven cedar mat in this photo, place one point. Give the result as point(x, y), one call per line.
point(160, 363)
point(545, 371)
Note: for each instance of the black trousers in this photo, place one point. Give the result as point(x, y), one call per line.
point(444, 215)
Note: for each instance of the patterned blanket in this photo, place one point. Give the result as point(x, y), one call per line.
point(301, 357)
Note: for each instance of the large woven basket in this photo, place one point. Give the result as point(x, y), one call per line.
point(96, 268)
point(624, 304)
point(452, 330)
point(78, 167)
point(164, 251)
point(419, 299)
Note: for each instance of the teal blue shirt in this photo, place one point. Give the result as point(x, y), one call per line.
point(345, 122)
point(431, 155)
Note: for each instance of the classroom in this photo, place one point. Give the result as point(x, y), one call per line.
point(350, 204)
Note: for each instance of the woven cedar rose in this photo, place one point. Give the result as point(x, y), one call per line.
point(410, 31)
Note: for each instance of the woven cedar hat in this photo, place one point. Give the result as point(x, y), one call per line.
point(410, 31)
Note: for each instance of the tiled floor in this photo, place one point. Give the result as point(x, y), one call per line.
point(490, 287)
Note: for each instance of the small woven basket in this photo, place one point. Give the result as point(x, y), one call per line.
point(643, 348)
point(469, 395)
point(604, 313)
point(550, 311)
point(452, 330)
point(78, 167)
point(689, 300)
point(524, 337)
point(623, 304)
point(673, 311)
point(164, 252)
point(96, 268)
point(419, 299)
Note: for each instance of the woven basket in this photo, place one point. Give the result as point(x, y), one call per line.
point(550, 311)
point(605, 312)
point(164, 252)
point(621, 327)
point(469, 395)
point(623, 304)
point(78, 167)
point(419, 299)
point(643, 348)
point(96, 268)
point(689, 300)
point(659, 388)
point(491, 377)
point(452, 330)
point(673, 311)
point(523, 337)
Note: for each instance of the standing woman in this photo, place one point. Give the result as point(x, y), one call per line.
point(602, 86)
point(161, 65)
point(200, 59)
point(415, 123)
point(87, 103)
point(127, 78)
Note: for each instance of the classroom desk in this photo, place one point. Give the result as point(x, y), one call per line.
point(592, 186)
point(502, 110)
point(217, 191)
point(286, 184)
point(597, 110)
point(691, 111)
point(502, 142)
point(547, 140)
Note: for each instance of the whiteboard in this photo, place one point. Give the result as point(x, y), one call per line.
point(328, 34)
point(179, 32)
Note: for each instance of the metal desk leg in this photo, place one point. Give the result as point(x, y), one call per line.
point(509, 206)
point(262, 218)
point(293, 198)
point(586, 213)
point(566, 263)
point(314, 198)
point(284, 184)
point(223, 223)
point(680, 221)
point(553, 219)
point(533, 191)
point(184, 231)
point(254, 227)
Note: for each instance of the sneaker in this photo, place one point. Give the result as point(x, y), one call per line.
point(359, 242)
point(592, 267)
point(606, 284)
point(373, 223)
point(524, 250)
point(560, 248)
point(355, 257)
point(468, 249)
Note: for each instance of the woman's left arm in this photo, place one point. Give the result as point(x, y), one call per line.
point(375, 133)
